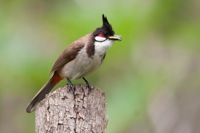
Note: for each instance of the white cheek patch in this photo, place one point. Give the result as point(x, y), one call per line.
point(100, 39)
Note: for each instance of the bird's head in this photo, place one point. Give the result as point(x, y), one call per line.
point(105, 32)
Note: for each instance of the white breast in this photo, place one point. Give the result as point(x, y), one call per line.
point(83, 64)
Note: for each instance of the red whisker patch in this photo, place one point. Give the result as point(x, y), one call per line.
point(101, 35)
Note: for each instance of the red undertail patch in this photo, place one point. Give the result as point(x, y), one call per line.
point(55, 79)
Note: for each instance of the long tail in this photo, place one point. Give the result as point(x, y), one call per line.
point(42, 92)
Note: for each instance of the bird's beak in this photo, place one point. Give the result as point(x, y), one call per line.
point(115, 38)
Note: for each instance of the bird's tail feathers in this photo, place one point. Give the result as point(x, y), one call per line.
point(42, 92)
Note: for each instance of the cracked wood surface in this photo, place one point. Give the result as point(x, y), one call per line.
point(64, 112)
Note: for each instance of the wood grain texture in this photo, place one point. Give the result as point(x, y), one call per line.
point(64, 112)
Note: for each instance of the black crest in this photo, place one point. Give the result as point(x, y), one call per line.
point(106, 28)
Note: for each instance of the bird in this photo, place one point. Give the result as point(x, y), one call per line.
point(79, 59)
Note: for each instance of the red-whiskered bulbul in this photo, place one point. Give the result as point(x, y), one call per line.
point(79, 59)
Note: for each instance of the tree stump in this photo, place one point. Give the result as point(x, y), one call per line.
point(63, 111)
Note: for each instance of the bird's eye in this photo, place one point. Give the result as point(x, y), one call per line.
point(101, 35)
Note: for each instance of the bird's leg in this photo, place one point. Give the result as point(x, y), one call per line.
point(72, 87)
point(88, 85)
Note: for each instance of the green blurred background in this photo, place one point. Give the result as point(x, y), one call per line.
point(151, 78)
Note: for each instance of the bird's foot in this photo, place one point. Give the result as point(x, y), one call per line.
point(72, 87)
point(88, 85)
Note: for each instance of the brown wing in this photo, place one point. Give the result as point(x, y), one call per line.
point(70, 53)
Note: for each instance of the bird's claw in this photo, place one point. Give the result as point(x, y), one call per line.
point(71, 86)
point(88, 85)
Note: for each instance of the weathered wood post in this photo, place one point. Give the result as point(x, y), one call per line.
point(64, 112)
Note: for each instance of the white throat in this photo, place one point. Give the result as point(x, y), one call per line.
point(101, 47)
